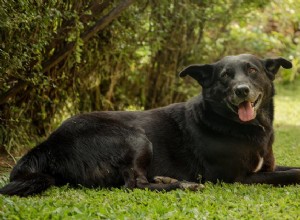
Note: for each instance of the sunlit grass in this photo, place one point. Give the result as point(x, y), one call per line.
point(221, 201)
point(287, 123)
point(287, 109)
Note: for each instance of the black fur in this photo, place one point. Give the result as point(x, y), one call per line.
point(203, 137)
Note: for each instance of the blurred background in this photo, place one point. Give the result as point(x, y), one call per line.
point(60, 58)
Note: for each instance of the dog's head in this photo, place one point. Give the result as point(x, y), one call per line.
point(237, 86)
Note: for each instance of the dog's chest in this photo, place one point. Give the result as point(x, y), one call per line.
point(259, 164)
point(234, 154)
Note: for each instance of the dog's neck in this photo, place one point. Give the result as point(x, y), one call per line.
point(205, 116)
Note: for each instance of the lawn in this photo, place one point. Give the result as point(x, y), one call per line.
point(221, 201)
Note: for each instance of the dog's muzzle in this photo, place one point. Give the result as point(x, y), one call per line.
point(244, 102)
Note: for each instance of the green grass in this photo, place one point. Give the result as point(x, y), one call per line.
point(221, 201)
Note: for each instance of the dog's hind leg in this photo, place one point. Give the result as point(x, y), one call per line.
point(143, 183)
point(167, 184)
point(135, 176)
point(135, 173)
point(183, 184)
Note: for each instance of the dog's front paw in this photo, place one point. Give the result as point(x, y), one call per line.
point(191, 186)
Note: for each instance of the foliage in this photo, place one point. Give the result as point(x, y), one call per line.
point(270, 31)
point(52, 65)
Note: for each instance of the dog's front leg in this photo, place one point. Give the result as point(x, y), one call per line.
point(285, 168)
point(276, 178)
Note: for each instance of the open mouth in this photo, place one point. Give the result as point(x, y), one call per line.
point(246, 109)
point(254, 104)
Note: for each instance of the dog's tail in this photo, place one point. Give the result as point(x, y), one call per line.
point(28, 184)
point(29, 176)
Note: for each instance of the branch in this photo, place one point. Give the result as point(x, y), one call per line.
point(100, 25)
point(12, 91)
point(95, 7)
point(62, 54)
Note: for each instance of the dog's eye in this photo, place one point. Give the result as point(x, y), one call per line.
point(225, 74)
point(252, 70)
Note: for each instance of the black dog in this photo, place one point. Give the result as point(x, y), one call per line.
point(225, 134)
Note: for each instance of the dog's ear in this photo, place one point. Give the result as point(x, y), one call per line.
point(202, 73)
point(272, 65)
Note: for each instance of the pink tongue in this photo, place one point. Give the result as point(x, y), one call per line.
point(246, 112)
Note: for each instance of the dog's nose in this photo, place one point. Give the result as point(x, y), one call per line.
point(242, 91)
